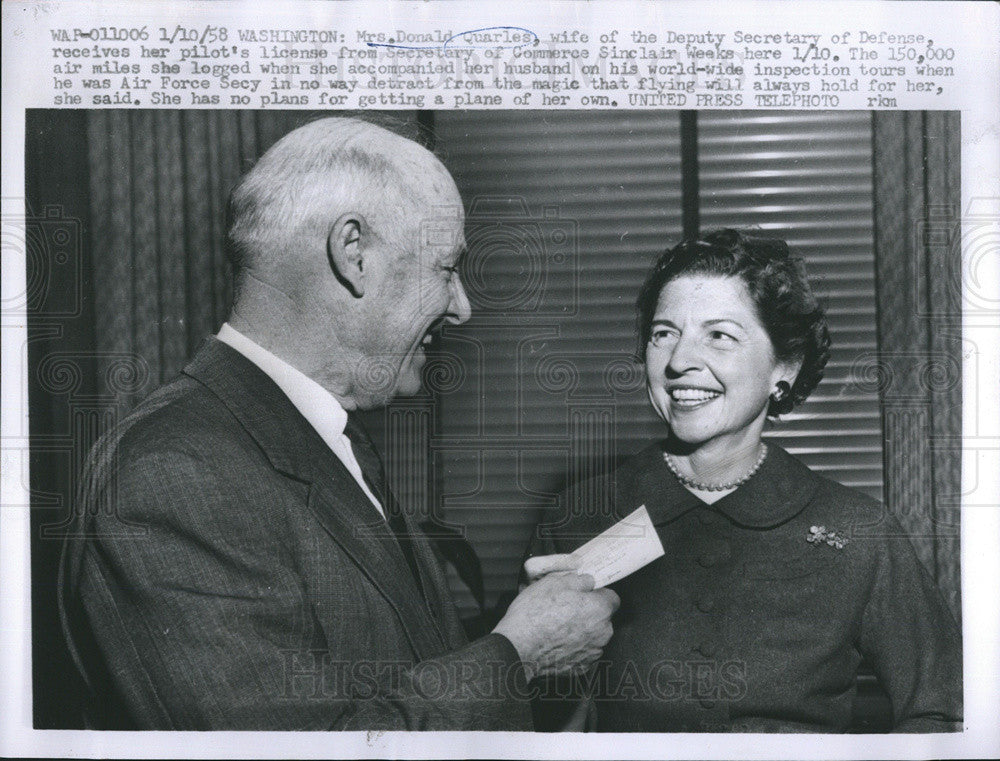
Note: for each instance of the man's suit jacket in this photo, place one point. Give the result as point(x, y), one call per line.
point(227, 572)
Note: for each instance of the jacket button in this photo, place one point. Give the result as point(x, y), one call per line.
point(705, 604)
point(706, 703)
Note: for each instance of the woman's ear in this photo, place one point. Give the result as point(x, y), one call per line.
point(789, 371)
point(345, 246)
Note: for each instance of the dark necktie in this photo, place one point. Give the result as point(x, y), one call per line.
point(374, 473)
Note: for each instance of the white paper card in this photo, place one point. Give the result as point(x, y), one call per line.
point(620, 550)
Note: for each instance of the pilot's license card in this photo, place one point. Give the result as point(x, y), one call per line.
point(620, 550)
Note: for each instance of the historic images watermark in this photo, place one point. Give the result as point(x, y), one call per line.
point(314, 674)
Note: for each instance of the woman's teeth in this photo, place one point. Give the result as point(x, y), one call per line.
point(692, 396)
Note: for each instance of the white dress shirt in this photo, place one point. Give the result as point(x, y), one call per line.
point(315, 403)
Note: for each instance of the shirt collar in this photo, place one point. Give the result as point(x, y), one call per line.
point(317, 405)
point(777, 493)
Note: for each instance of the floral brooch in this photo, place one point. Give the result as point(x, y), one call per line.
point(818, 534)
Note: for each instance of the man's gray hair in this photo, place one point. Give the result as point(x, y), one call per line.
point(291, 197)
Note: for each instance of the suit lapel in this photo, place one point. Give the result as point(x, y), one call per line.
point(436, 587)
point(294, 448)
point(350, 518)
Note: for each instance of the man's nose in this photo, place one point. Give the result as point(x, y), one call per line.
point(459, 310)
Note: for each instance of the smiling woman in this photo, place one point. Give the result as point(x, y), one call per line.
point(767, 598)
point(731, 333)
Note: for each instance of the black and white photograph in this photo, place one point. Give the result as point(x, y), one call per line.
point(437, 382)
point(747, 323)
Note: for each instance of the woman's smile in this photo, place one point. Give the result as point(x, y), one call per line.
point(691, 397)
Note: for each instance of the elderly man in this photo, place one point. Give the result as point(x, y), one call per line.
point(268, 579)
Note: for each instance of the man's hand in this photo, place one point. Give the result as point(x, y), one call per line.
point(540, 565)
point(560, 623)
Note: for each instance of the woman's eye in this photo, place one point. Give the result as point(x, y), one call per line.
point(718, 335)
point(660, 335)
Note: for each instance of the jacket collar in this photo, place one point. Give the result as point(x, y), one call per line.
point(256, 401)
point(318, 406)
point(293, 447)
point(776, 494)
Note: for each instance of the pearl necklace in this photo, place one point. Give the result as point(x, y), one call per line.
point(691, 483)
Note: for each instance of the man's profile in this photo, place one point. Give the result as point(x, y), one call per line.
point(275, 583)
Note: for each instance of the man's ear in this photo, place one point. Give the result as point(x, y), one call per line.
point(345, 247)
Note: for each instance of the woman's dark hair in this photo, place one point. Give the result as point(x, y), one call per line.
point(777, 285)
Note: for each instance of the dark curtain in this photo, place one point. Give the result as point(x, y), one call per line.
point(918, 369)
point(159, 181)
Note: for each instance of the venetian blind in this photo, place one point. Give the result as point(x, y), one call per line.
point(566, 213)
point(807, 177)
